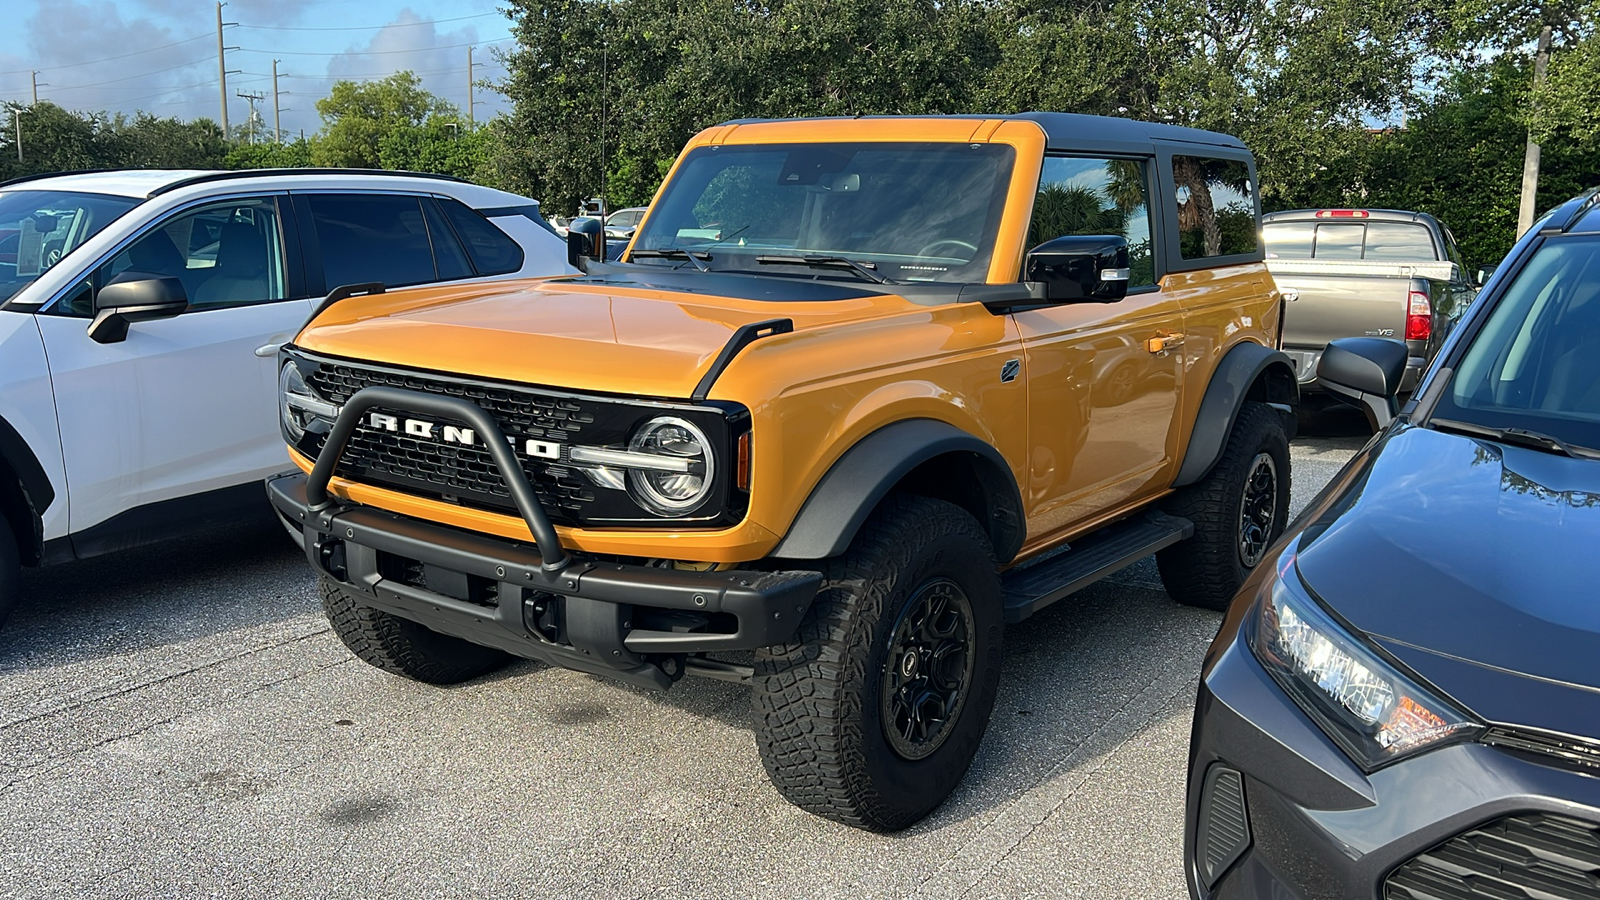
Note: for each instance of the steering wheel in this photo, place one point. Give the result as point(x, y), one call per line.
point(971, 249)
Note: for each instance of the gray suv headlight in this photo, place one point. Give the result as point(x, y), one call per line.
point(1371, 709)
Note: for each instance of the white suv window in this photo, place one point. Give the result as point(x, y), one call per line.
point(228, 253)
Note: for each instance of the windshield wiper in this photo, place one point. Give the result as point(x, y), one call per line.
point(698, 257)
point(1521, 437)
point(865, 270)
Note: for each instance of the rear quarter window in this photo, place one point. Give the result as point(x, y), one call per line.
point(1216, 207)
point(493, 252)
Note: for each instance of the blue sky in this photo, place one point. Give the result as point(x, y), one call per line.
point(160, 55)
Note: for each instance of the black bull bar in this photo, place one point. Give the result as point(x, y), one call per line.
point(600, 600)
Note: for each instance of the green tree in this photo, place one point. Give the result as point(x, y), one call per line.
point(440, 146)
point(293, 155)
point(357, 116)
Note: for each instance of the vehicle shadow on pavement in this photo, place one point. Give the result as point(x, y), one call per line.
point(233, 578)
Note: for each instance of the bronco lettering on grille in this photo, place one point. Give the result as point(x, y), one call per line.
point(452, 434)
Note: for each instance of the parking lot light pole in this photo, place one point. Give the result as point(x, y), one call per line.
point(16, 116)
point(1530, 158)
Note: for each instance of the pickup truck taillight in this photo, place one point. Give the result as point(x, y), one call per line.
point(1419, 317)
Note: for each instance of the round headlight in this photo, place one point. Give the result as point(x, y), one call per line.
point(683, 483)
point(290, 381)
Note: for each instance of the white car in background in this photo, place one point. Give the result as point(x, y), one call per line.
point(140, 317)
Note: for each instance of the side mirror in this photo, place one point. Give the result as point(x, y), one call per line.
point(586, 240)
point(1484, 274)
point(1366, 373)
point(1082, 268)
point(135, 297)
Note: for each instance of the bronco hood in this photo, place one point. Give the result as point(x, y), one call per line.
point(601, 336)
point(1474, 563)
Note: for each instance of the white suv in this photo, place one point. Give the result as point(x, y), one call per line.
point(140, 317)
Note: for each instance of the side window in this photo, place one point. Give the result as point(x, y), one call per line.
point(1216, 207)
point(493, 252)
point(228, 253)
point(1096, 196)
point(1398, 240)
point(372, 237)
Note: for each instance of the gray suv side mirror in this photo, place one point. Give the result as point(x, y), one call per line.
point(135, 297)
point(1366, 373)
point(1082, 268)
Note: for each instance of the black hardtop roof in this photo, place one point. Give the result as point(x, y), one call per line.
point(1077, 132)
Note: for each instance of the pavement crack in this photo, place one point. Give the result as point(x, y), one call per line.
point(83, 701)
point(26, 774)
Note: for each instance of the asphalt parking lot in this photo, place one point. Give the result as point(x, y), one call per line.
point(180, 722)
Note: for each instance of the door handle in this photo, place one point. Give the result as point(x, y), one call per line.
point(266, 351)
point(1160, 345)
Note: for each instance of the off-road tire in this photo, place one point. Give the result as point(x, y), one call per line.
point(819, 702)
point(10, 571)
point(1207, 569)
point(403, 647)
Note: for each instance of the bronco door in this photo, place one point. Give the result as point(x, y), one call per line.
point(1101, 401)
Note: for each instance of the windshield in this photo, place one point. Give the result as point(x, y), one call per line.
point(905, 211)
point(39, 228)
point(1536, 363)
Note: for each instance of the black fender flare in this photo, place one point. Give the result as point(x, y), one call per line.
point(859, 480)
point(1231, 385)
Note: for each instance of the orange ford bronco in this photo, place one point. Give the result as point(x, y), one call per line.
point(860, 394)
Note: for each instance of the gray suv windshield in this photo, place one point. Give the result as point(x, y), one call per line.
point(1535, 366)
point(905, 211)
point(39, 228)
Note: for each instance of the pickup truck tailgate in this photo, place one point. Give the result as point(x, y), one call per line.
point(1338, 299)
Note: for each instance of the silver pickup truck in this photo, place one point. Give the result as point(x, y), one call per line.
point(1364, 272)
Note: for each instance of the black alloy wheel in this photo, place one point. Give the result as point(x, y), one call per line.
point(928, 670)
point(1258, 509)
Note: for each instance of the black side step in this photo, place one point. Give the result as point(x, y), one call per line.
point(1028, 589)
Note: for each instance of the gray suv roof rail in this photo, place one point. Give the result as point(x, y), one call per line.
point(1566, 217)
point(252, 173)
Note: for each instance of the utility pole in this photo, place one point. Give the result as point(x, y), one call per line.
point(251, 98)
point(222, 70)
point(470, 120)
point(36, 87)
point(1530, 158)
point(277, 126)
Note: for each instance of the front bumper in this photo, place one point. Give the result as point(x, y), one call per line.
point(600, 617)
point(1318, 828)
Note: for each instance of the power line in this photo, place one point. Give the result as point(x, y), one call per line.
point(374, 27)
point(107, 58)
point(378, 52)
point(73, 87)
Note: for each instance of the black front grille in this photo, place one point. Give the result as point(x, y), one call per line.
point(1569, 751)
point(1534, 856)
point(461, 473)
point(467, 475)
